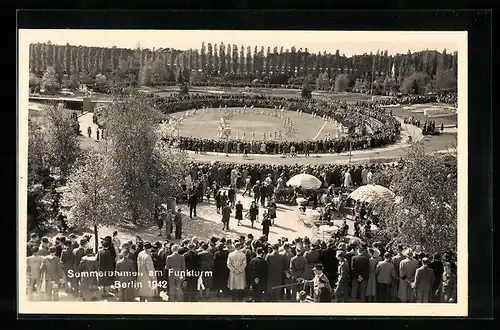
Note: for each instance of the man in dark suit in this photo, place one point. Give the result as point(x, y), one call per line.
point(258, 275)
point(330, 262)
point(192, 265)
point(360, 271)
point(424, 279)
point(192, 201)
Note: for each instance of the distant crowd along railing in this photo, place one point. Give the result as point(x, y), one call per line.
point(384, 128)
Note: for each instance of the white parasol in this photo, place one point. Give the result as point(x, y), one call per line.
point(373, 194)
point(305, 181)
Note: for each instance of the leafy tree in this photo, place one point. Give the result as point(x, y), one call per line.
point(323, 80)
point(145, 75)
point(445, 80)
point(34, 82)
point(167, 169)
point(197, 76)
point(306, 90)
point(425, 217)
point(49, 81)
point(86, 79)
point(94, 194)
point(341, 83)
point(101, 82)
point(37, 152)
point(131, 124)
point(415, 84)
point(62, 143)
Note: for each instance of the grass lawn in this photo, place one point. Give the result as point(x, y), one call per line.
point(205, 124)
point(450, 119)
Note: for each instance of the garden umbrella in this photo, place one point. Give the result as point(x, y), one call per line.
point(376, 195)
point(305, 181)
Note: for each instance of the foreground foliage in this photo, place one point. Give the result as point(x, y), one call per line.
point(425, 216)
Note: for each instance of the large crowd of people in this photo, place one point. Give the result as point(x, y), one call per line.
point(250, 269)
point(442, 97)
point(338, 268)
point(384, 128)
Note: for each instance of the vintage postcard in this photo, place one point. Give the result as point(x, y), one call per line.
point(322, 168)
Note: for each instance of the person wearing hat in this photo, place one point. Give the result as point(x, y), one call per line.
point(298, 264)
point(329, 261)
point(424, 280)
point(175, 268)
point(341, 291)
point(221, 272)
point(236, 263)
point(407, 269)
point(106, 262)
point(192, 266)
point(126, 277)
point(146, 274)
point(319, 281)
point(178, 223)
point(206, 259)
point(287, 255)
point(275, 271)
point(371, 288)
point(88, 284)
point(52, 273)
point(257, 274)
point(78, 254)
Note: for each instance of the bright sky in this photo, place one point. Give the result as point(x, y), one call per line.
point(348, 42)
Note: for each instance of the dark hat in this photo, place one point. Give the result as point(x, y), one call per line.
point(259, 250)
point(52, 249)
point(33, 235)
point(108, 238)
point(89, 250)
point(83, 241)
point(204, 246)
point(318, 267)
point(275, 246)
point(147, 245)
point(158, 244)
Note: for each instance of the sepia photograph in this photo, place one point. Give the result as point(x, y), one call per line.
point(221, 167)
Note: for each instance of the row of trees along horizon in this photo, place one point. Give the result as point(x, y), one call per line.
point(67, 66)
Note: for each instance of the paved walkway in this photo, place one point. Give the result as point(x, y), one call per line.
point(208, 223)
point(85, 121)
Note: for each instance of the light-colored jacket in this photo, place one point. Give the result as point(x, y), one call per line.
point(236, 262)
point(146, 275)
